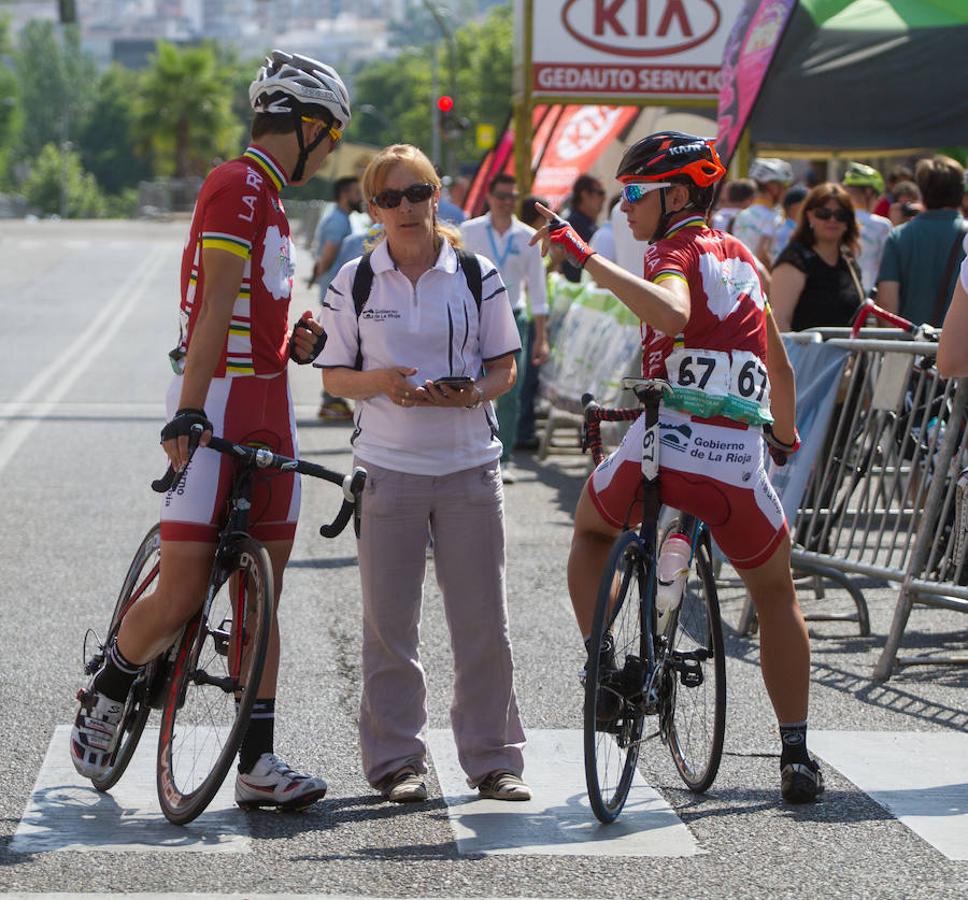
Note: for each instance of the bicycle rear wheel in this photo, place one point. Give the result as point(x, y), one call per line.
point(141, 579)
point(614, 717)
point(219, 661)
point(695, 707)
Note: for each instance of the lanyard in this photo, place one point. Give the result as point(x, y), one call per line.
point(499, 259)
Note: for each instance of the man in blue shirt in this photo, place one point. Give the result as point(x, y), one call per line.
point(921, 254)
point(333, 227)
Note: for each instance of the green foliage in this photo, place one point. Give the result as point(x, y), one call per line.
point(56, 85)
point(399, 90)
point(183, 112)
point(56, 172)
point(11, 120)
point(106, 138)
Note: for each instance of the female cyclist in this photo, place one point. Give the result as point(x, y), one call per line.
point(706, 328)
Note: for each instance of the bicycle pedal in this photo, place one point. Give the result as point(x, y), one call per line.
point(690, 673)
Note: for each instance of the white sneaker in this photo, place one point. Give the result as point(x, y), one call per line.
point(95, 733)
point(272, 783)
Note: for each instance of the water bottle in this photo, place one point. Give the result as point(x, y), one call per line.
point(673, 572)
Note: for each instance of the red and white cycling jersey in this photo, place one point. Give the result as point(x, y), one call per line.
point(711, 467)
point(239, 210)
point(728, 303)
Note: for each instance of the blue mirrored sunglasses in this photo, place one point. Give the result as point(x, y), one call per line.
point(632, 193)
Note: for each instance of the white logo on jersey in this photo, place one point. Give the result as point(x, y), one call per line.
point(726, 282)
point(277, 263)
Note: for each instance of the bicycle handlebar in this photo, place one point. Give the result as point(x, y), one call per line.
point(870, 308)
point(262, 458)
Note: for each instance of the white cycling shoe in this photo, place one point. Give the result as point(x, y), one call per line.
point(271, 783)
point(95, 733)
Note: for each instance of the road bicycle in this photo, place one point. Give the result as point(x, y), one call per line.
point(206, 683)
point(636, 671)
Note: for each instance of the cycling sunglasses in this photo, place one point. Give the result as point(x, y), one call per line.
point(416, 193)
point(632, 193)
point(335, 134)
point(822, 213)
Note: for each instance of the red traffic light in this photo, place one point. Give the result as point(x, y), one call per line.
point(445, 103)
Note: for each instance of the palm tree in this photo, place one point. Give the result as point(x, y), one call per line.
point(183, 114)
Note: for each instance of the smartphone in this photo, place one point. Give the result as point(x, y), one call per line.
point(457, 382)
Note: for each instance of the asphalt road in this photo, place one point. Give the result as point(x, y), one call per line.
point(89, 312)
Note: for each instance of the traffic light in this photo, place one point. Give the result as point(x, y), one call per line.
point(68, 11)
point(450, 123)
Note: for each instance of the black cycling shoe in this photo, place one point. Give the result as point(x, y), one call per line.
point(608, 703)
point(801, 782)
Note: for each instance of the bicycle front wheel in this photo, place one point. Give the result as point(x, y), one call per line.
point(142, 578)
point(216, 672)
point(696, 686)
point(614, 679)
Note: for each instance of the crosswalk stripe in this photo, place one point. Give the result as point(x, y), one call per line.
point(66, 812)
point(922, 778)
point(559, 820)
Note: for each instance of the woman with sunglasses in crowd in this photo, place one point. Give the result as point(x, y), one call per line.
point(816, 280)
point(706, 328)
point(424, 358)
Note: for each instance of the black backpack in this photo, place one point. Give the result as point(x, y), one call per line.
point(363, 282)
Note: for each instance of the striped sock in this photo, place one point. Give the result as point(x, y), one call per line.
point(117, 675)
point(260, 735)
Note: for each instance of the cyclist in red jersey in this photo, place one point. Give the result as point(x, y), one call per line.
point(230, 364)
point(706, 328)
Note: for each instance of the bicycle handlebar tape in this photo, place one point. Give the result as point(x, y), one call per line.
point(318, 345)
point(563, 234)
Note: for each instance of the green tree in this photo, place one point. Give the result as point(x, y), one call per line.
point(11, 119)
point(58, 175)
point(183, 113)
point(56, 85)
point(106, 138)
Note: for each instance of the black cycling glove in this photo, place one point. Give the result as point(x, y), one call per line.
point(317, 347)
point(780, 451)
point(183, 421)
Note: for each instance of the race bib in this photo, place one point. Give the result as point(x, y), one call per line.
point(709, 383)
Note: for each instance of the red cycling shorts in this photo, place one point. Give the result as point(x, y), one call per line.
point(247, 409)
point(715, 472)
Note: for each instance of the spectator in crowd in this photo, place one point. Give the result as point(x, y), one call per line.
point(906, 203)
point(527, 424)
point(334, 225)
point(864, 184)
point(585, 205)
point(736, 196)
point(603, 240)
point(816, 279)
point(447, 209)
point(457, 191)
point(757, 225)
point(919, 266)
point(356, 244)
point(432, 456)
point(792, 204)
point(896, 176)
point(505, 241)
point(953, 345)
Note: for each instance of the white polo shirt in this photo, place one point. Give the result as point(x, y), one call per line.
point(518, 263)
point(434, 328)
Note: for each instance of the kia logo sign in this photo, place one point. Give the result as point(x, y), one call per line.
point(641, 27)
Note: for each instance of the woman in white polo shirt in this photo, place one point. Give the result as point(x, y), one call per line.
point(432, 456)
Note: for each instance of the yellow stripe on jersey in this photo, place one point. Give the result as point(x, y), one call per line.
point(232, 247)
point(665, 276)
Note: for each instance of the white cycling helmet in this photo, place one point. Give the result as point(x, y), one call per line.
point(294, 85)
point(765, 169)
point(289, 83)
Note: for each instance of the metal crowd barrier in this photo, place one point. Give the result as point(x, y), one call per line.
point(884, 498)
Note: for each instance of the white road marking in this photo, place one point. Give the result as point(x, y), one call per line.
point(65, 812)
point(55, 380)
point(922, 778)
point(559, 820)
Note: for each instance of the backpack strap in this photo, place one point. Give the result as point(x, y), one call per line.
point(362, 282)
point(944, 298)
point(472, 273)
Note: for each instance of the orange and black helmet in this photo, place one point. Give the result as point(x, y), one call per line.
point(667, 154)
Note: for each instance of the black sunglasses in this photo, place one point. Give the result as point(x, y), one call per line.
point(822, 213)
point(416, 193)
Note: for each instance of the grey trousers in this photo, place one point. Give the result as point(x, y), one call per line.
point(465, 514)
